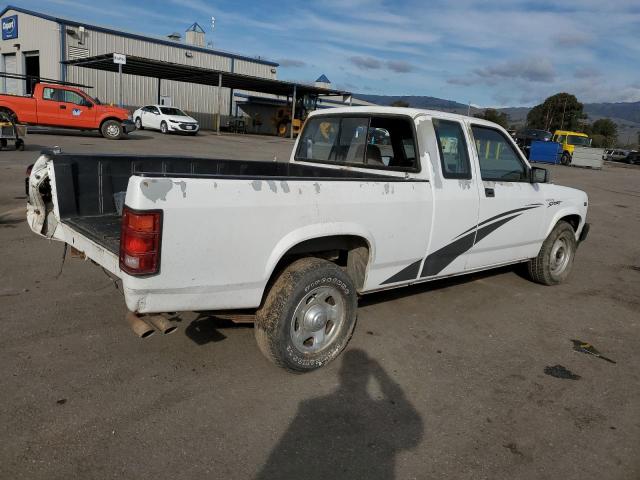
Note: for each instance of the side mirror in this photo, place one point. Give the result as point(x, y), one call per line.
point(540, 175)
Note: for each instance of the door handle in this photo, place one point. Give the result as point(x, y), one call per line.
point(63, 107)
point(489, 192)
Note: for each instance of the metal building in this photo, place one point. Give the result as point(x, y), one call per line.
point(36, 44)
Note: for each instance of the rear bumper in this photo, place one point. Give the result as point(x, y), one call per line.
point(584, 233)
point(128, 126)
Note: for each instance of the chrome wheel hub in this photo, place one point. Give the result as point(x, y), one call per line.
point(113, 130)
point(560, 256)
point(317, 319)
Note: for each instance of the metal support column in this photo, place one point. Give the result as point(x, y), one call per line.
point(158, 96)
point(120, 84)
point(293, 109)
point(218, 104)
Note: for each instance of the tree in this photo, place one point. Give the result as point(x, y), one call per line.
point(493, 115)
point(561, 111)
point(400, 103)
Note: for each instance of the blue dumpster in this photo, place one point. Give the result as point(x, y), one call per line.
point(545, 152)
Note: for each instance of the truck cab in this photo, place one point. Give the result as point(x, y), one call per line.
point(569, 140)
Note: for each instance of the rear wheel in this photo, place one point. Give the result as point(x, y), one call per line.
point(308, 315)
point(555, 260)
point(163, 127)
point(10, 114)
point(111, 129)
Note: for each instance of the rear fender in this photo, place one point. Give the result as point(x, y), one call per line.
point(315, 231)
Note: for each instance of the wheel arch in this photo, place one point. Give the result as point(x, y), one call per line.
point(573, 218)
point(350, 248)
point(9, 111)
point(107, 118)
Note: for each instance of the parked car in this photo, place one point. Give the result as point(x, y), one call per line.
point(615, 155)
point(292, 245)
point(54, 105)
point(526, 136)
point(633, 158)
point(166, 119)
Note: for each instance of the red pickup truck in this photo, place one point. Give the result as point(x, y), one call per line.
point(55, 105)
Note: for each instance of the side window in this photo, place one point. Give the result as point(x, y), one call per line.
point(352, 140)
point(391, 143)
point(498, 159)
point(378, 142)
point(319, 139)
point(454, 156)
point(51, 94)
point(74, 97)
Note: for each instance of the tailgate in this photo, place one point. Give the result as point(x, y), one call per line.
point(97, 236)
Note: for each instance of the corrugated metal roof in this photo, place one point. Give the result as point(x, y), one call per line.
point(162, 41)
point(146, 67)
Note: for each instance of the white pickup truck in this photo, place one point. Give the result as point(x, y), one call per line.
point(372, 198)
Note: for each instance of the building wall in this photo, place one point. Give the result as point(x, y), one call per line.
point(198, 100)
point(34, 34)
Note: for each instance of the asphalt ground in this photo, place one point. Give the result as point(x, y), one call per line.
point(443, 380)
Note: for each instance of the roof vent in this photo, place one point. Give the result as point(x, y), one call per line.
point(195, 35)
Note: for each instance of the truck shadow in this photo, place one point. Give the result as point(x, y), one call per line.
point(348, 433)
point(82, 133)
point(206, 328)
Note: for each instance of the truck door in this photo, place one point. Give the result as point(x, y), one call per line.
point(49, 106)
point(456, 199)
point(77, 111)
point(510, 226)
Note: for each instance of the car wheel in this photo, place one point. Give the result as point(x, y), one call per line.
point(555, 260)
point(565, 159)
point(308, 315)
point(163, 127)
point(111, 129)
point(139, 124)
point(631, 161)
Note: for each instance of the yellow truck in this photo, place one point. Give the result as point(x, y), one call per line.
point(569, 140)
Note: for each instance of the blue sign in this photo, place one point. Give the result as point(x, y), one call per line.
point(10, 27)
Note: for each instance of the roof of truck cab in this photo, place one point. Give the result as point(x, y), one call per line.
point(411, 112)
point(569, 132)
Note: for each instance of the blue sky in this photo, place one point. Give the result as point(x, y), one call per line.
point(487, 52)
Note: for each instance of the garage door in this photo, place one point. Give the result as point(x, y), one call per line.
point(12, 85)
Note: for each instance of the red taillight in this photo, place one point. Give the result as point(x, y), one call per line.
point(140, 240)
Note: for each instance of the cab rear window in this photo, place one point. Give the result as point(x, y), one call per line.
point(382, 142)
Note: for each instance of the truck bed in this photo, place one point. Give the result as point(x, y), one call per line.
point(86, 185)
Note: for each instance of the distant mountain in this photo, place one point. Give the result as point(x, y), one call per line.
point(429, 103)
point(625, 115)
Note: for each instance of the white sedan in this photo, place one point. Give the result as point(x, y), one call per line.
point(166, 119)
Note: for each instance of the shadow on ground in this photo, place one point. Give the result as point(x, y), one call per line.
point(348, 434)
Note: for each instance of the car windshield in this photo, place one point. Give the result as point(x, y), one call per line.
point(576, 140)
point(172, 111)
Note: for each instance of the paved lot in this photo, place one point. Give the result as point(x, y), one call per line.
point(444, 380)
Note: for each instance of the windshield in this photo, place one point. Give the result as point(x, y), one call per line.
point(576, 140)
point(172, 111)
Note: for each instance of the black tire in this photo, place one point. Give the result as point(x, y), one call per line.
point(163, 127)
point(565, 159)
point(10, 114)
point(305, 285)
point(112, 130)
point(139, 124)
point(541, 269)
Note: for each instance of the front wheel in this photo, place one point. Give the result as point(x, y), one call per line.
point(139, 124)
point(565, 159)
point(111, 129)
point(555, 260)
point(308, 315)
point(163, 127)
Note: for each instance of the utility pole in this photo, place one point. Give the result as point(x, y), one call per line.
point(564, 108)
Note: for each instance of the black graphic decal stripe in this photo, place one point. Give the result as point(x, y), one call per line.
point(503, 214)
point(440, 259)
point(406, 274)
